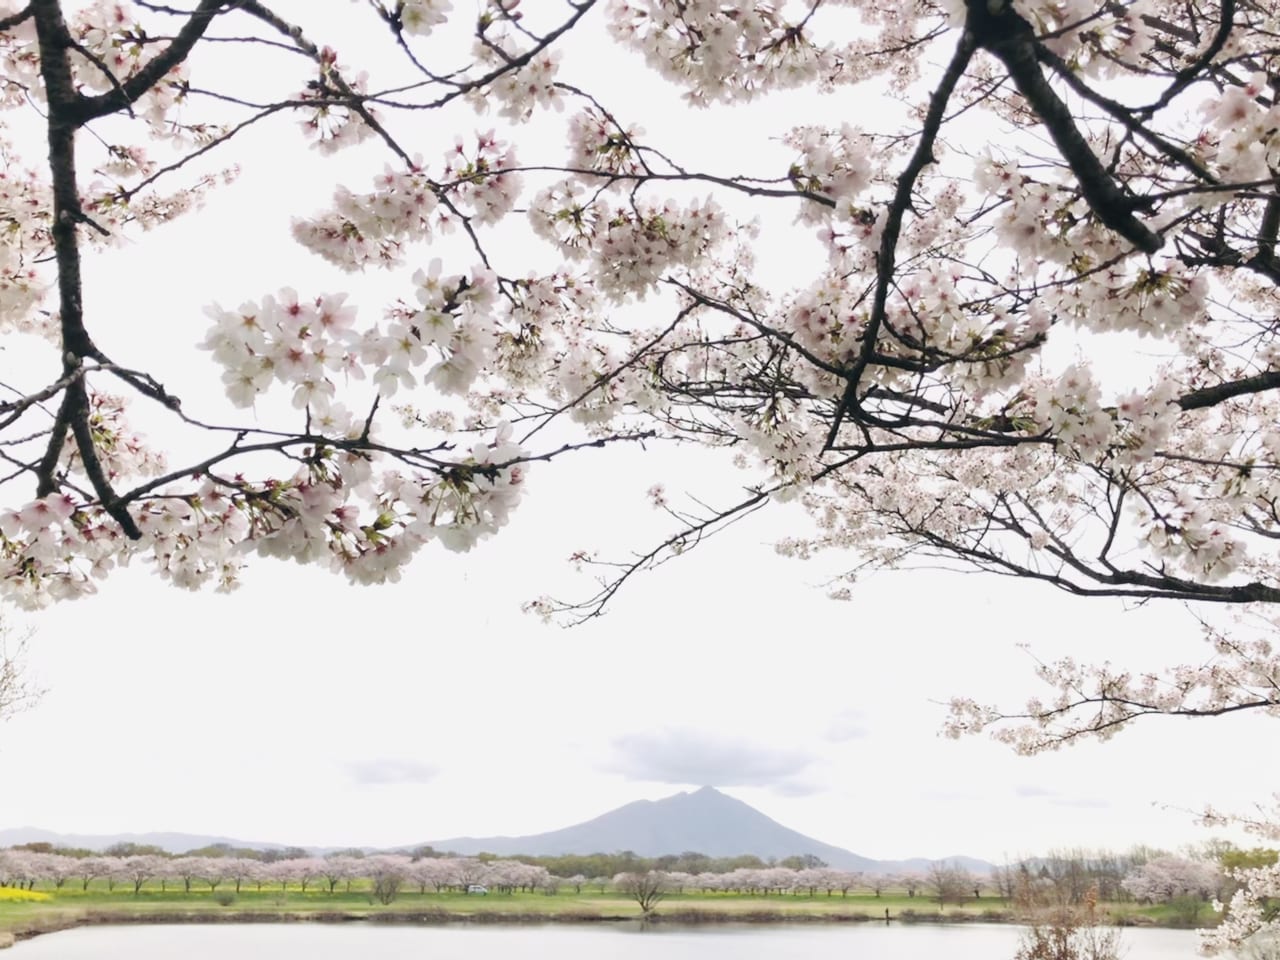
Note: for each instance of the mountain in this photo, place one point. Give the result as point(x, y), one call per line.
point(706, 820)
point(169, 842)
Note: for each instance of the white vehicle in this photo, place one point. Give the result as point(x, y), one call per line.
point(477, 888)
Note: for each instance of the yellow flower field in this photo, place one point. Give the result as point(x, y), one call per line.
point(13, 895)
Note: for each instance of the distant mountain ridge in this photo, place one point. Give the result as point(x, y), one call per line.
point(705, 820)
point(167, 841)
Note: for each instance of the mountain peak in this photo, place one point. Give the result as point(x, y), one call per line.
point(705, 820)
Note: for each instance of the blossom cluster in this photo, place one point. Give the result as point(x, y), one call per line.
point(1245, 130)
point(834, 164)
point(372, 227)
point(419, 17)
point(722, 51)
point(405, 206)
point(335, 122)
point(628, 247)
point(307, 344)
point(338, 508)
point(597, 143)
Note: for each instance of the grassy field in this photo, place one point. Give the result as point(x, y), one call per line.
point(72, 906)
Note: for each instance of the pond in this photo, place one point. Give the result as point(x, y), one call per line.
point(563, 942)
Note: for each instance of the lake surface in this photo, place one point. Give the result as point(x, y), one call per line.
point(359, 941)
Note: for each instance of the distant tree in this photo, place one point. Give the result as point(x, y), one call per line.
point(646, 889)
point(693, 862)
point(1238, 859)
point(62, 868)
point(35, 846)
point(810, 880)
point(338, 867)
point(215, 870)
point(90, 868)
point(282, 872)
point(948, 882)
point(387, 873)
point(803, 861)
point(1005, 879)
point(846, 880)
point(186, 869)
point(17, 867)
point(1072, 874)
point(468, 870)
point(307, 870)
point(912, 881)
point(138, 870)
point(1166, 878)
point(440, 873)
point(241, 869)
point(275, 854)
point(127, 849)
point(209, 850)
point(627, 861)
point(745, 861)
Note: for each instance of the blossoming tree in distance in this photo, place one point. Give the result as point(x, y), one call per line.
point(1058, 179)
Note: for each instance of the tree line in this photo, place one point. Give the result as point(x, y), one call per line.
point(1060, 879)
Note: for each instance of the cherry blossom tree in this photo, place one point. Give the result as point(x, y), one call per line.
point(340, 867)
point(90, 868)
point(240, 870)
point(905, 393)
point(1164, 878)
point(436, 872)
point(387, 872)
point(647, 889)
point(138, 870)
point(926, 383)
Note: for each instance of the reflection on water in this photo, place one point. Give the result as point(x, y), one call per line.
point(360, 941)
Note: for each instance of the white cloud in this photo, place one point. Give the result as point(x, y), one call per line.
point(847, 725)
point(385, 771)
point(697, 758)
point(1027, 791)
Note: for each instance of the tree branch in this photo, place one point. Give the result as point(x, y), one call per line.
point(1000, 30)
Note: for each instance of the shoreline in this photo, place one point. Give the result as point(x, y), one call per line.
point(438, 917)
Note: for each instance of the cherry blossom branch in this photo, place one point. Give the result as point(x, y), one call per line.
point(84, 109)
point(885, 257)
point(1001, 31)
point(1111, 582)
point(1099, 700)
point(1192, 71)
point(1125, 116)
point(689, 536)
point(1219, 393)
point(213, 144)
point(11, 21)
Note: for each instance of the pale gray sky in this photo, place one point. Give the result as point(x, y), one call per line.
point(302, 710)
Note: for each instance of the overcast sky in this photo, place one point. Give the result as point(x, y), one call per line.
point(304, 711)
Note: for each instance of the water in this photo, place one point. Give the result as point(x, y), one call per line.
point(359, 941)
